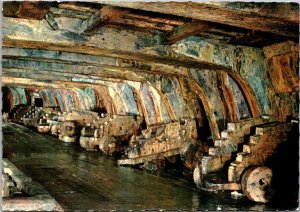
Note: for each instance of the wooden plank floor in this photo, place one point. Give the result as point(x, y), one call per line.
point(81, 180)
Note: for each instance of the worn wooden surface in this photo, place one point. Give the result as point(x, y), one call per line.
point(217, 14)
point(33, 198)
point(81, 180)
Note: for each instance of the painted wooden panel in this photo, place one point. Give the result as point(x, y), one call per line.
point(171, 88)
point(22, 95)
point(207, 79)
point(128, 98)
point(248, 62)
point(118, 102)
point(148, 102)
point(19, 96)
point(48, 98)
point(240, 102)
point(90, 93)
point(283, 72)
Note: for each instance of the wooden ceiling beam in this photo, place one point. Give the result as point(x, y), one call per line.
point(26, 9)
point(64, 69)
point(26, 82)
point(91, 61)
point(142, 24)
point(105, 15)
point(288, 11)
point(213, 13)
point(184, 31)
point(89, 9)
point(60, 12)
point(138, 46)
point(177, 62)
point(256, 39)
point(175, 21)
point(57, 78)
point(80, 6)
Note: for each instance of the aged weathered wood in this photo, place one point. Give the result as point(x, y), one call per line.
point(280, 49)
point(284, 73)
point(185, 30)
point(191, 153)
point(256, 183)
point(136, 24)
point(80, 6)
point(181, 61)
point(171, 20)
point(248, 92)
point(43, 128)
point(198, 11)
point(59, 41)
point(82, 72)
point(263, 145)
point(26, 9)
point(89, 9)
point(42, 203)
point(227, 97)
point(37, 199)
point(12, 81)
point(255, 39)
point(105, 15)
point(89, 143)
point(285, 11)
point(282, 59)
point(139, 160)
point(207, 107)
point(46, 60)
point(212, 164)
point(221, 186)
point(156, 140)
point(57, 12)
point(68, 128)
point(7, 186)
point(156, 107)
point(107, 144)
point(166, 102)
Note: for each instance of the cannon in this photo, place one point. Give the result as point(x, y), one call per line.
point(160, 142)
point(109, 133)
point(251, 174)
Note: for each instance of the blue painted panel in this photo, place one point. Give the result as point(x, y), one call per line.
point(60, 100)
point(128, 98)
point(16, 96)
point(83, 99)
point(22, 95)
point(247, 61)
point(91, 96)
point(170, 87)
point(240, 102)
point(207, 80)
point(48, 97)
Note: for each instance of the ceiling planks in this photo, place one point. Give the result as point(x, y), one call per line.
point(232, 23)
point(213, 13)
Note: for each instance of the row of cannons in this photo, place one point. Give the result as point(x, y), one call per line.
point(92, 130)
point(111, 133)
point(243, 153)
